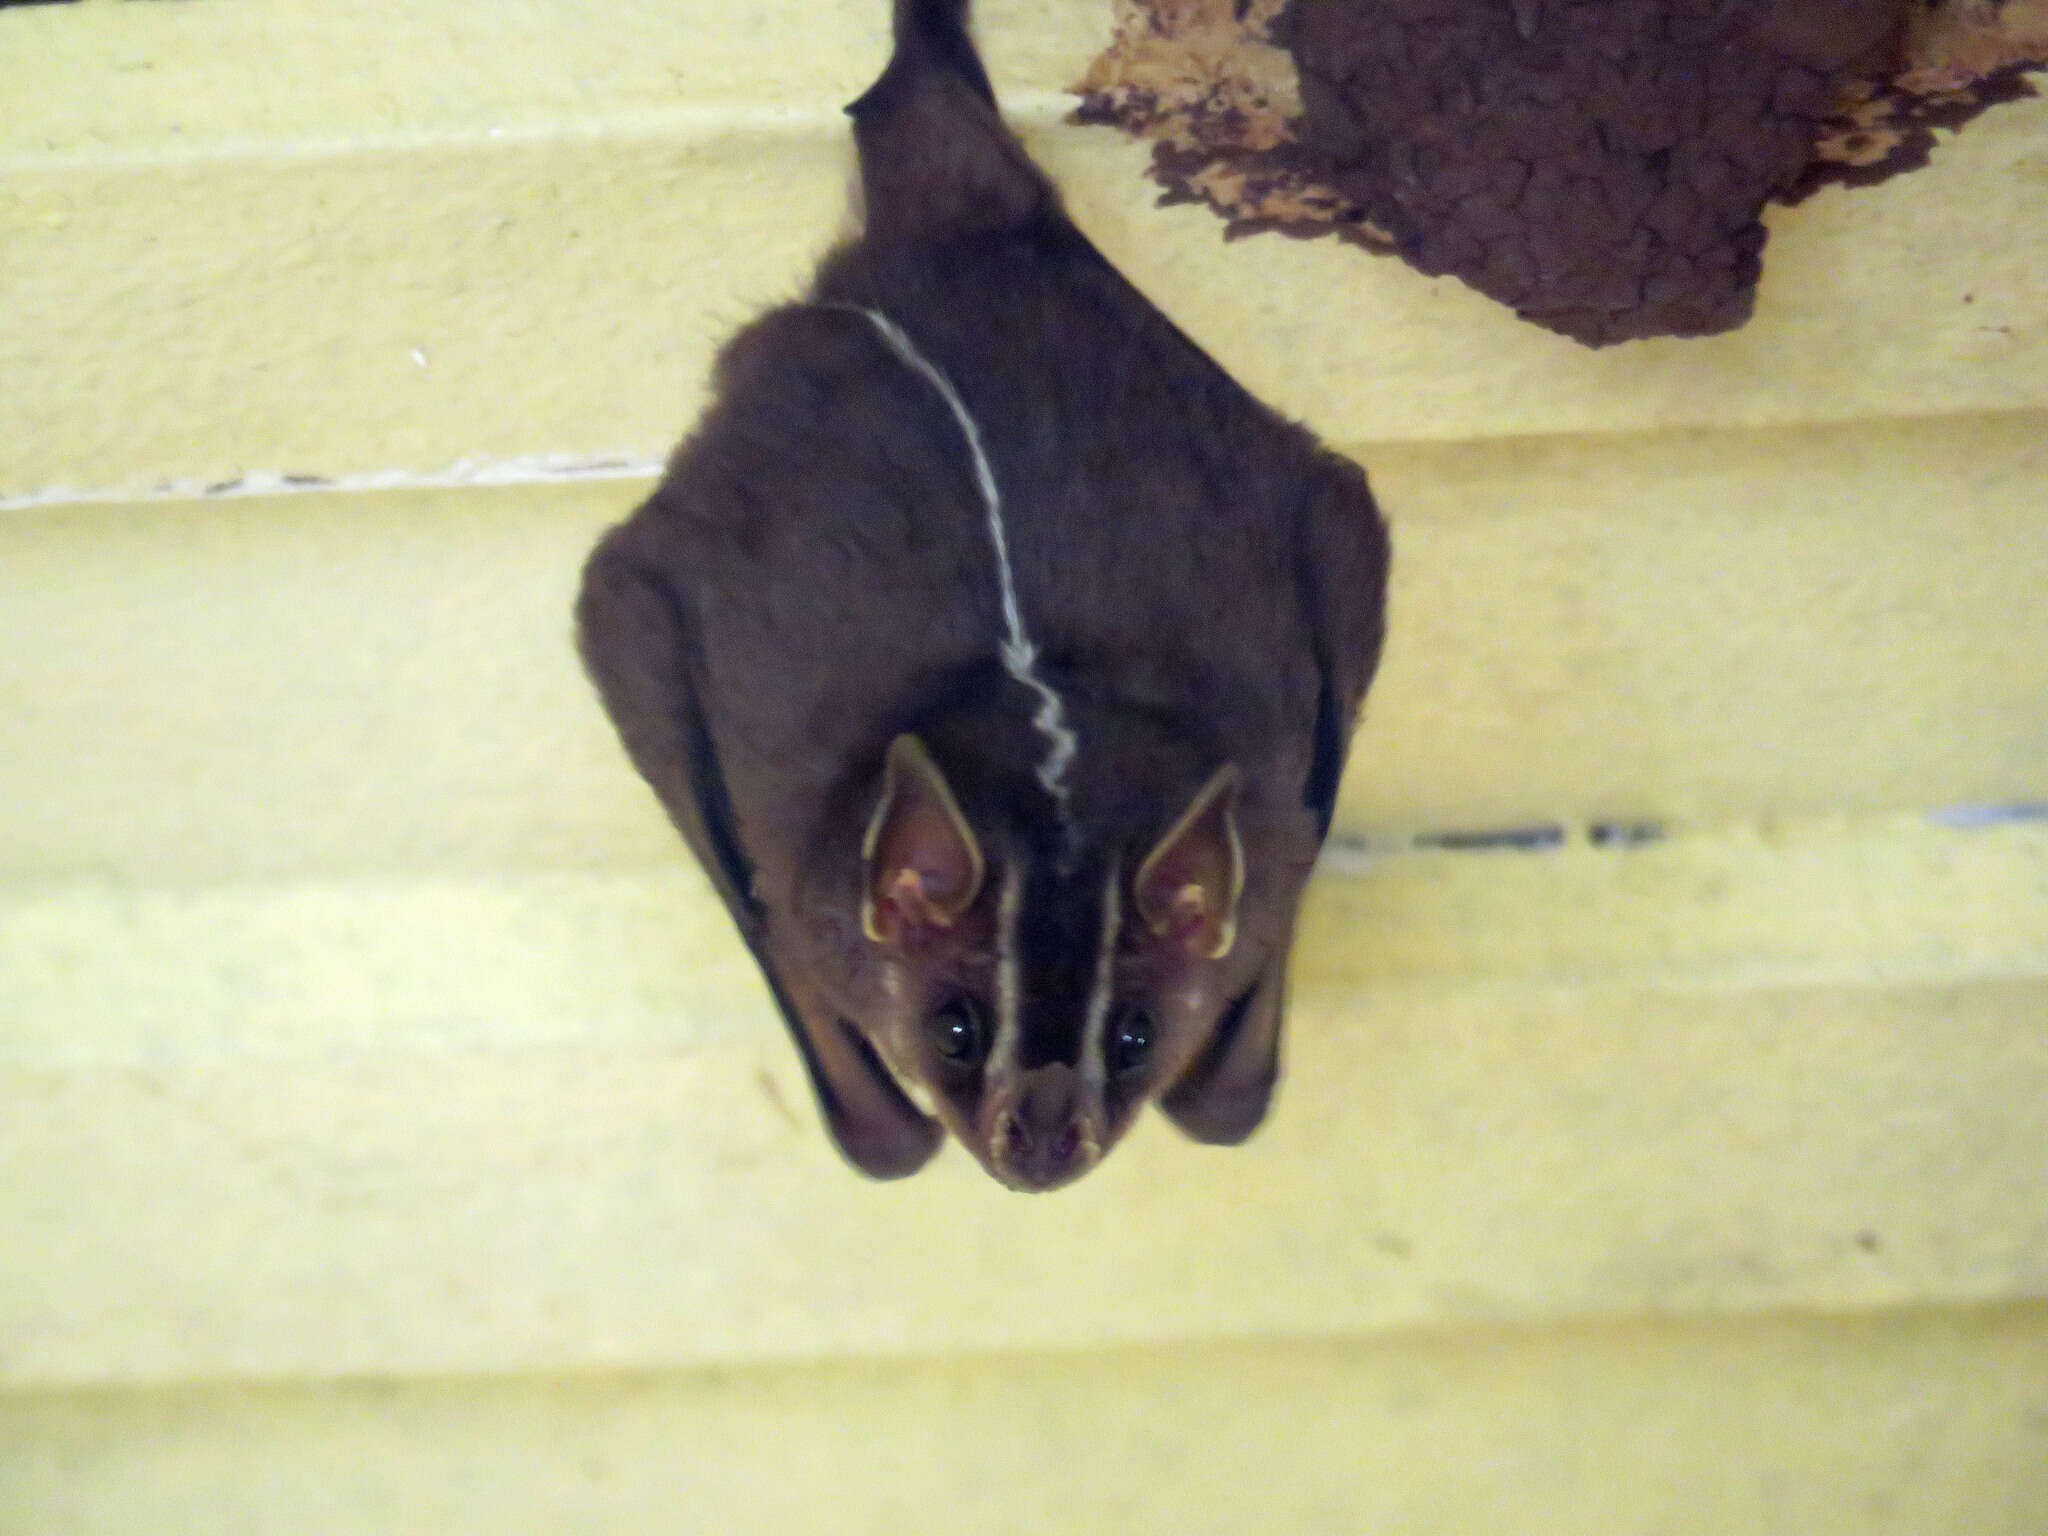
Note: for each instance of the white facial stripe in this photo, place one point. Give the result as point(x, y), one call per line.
point(1002, 1054)
point(1020, 655)
point(1103, 992)
point(913, 1087)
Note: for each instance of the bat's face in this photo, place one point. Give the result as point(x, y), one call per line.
point(1034, 1002)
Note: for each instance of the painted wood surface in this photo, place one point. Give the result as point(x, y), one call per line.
point(393, 1138)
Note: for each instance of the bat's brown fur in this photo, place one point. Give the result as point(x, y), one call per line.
point(1202, 587)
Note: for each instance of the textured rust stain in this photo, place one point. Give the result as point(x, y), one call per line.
point(1600, 167)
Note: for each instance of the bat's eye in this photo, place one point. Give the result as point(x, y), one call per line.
point(1132, 1042)
point(960, 1031)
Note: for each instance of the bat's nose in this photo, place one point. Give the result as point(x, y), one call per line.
point(1043, 1144)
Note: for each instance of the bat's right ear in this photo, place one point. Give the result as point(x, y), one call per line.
point(1188, 887)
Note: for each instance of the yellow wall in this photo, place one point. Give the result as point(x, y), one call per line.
point(392, 1137)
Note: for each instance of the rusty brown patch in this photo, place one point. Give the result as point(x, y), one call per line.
point(1600, 168)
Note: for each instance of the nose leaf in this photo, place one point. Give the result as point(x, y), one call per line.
point(1047, 1104)
point(1043, 1140)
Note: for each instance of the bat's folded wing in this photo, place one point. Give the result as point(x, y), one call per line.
point(1343, 555)
point(640, 648)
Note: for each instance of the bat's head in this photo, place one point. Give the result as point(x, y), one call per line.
point(1034, 995)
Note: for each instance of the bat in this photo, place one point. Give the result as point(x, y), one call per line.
point(997, 656)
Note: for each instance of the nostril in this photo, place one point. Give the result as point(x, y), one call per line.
point(1043, 1158)
point(1048, 1100)
point(1069, 1143)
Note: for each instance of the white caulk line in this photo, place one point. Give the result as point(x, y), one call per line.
point(1020, 656)
point(527, 469)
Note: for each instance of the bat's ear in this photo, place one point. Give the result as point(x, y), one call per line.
point(921, 868)
point(1222, 1097)
point(921, 863)
point(1188, 886)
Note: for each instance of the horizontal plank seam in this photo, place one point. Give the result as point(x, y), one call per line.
point(553, 468)
point(521, 470)
point(1347, 854)
point(1479, 1333)
point(1355, 853)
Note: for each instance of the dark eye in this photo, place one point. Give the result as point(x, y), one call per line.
point(960, 1031)
point(1131, 1040)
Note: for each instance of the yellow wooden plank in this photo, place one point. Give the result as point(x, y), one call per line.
point(1893, 1425)
point(106, 976)
point(1695, 627)
point(126, 81)
point(408, 306)
point(1702, 625)
point(551, 1123)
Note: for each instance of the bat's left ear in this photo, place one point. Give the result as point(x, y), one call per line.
point(1222, 1098)
point(1188, 886)
point(921, 862)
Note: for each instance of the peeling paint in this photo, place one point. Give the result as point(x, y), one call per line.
point(525, 469)
point(1600, 179)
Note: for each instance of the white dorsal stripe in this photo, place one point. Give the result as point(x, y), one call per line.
point(1020, 655)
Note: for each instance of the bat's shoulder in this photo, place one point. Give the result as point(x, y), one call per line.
point(822, 465)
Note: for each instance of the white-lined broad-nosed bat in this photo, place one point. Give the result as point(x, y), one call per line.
point(997, 655)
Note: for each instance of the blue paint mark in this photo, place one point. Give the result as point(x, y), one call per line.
point(1974, 816)
point(1525, 839)
point(1624, 834)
